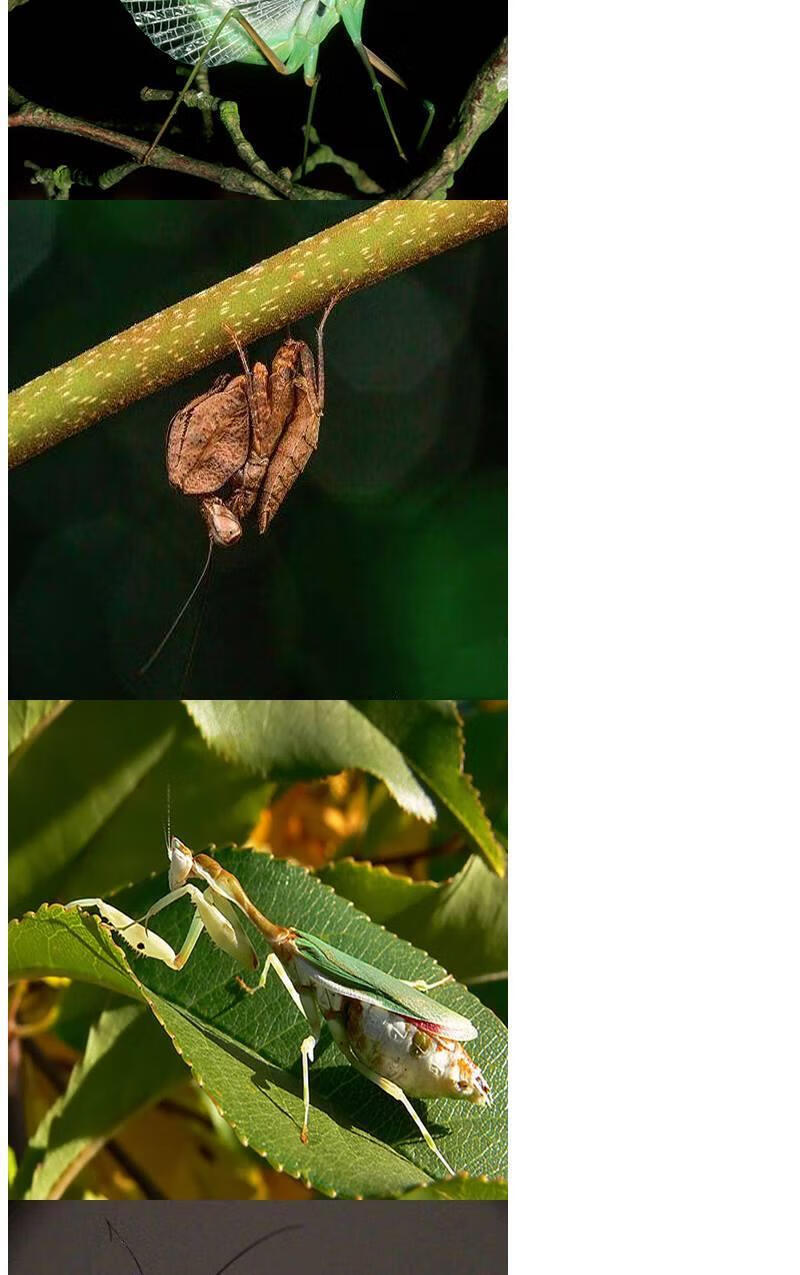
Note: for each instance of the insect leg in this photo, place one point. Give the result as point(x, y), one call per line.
point(307, 1048)
point(312, 80)
point(134, 934)
point(422, 986)
point(273, 963)
point(385, 69)
point(394, 1091)
point(190, 942)
point(308, 1008)
point(378, 87)
point(213, 914)
point(263, 48)
point(240, 351)
point(320, 378)
point(167, 899)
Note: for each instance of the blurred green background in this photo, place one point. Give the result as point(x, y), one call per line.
point(92, 61)
point(384, 573)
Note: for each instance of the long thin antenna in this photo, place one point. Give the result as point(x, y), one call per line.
point(295, 1226)
point(168, 830)
point(187, 667)
point(180, 614)
point(112, 1232)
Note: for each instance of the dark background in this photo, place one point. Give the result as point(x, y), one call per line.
point(339, 1237)
point(91, 60)
point(384, 573)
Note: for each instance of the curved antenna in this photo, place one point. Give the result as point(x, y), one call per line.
point(198, 624)
point(295, 1226)
point(148, 663)
point(112, 1233)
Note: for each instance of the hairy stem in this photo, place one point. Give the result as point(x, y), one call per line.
point(356, 253)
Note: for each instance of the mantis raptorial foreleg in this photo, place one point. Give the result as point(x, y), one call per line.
point(212, 913)
point(135, 934)
point(394, 1091)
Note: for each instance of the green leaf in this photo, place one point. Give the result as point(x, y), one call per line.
point(27, 717)
point(128, 1065)
point(461, 1188)
point(244, 1050)
point(486, 733)
point(88, 798)
point(71, 781)
point(67, 943)
point(463, 922)
point(305, 739)
point(430, 735)
point(80, 1006)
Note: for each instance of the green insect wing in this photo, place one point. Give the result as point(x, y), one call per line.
point(293, 29)
point(366, 982)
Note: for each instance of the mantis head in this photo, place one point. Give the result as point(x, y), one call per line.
point(181, 863)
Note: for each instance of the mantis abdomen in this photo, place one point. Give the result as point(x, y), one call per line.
point(422, 1062)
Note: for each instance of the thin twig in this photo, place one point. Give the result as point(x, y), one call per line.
point(229, 115)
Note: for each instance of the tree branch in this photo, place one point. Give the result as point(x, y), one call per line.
point(485, 100)
point(357, 253)
point(263, 183)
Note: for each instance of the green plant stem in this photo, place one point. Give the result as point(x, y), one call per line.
point(358, 252)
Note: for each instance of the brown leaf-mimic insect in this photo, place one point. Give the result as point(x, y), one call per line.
point(246, 440)
point(249, 437)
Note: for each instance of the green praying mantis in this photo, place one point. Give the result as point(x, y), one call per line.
point(389, 1029)
point(285, 33)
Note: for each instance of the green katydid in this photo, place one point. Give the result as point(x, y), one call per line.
point(285, 33)
point(389, 1029)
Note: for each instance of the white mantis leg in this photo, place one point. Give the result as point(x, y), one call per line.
point(309, 1011)
point(394, 1091)
point(273, 963)
point(172, 897)
point(214, 914)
